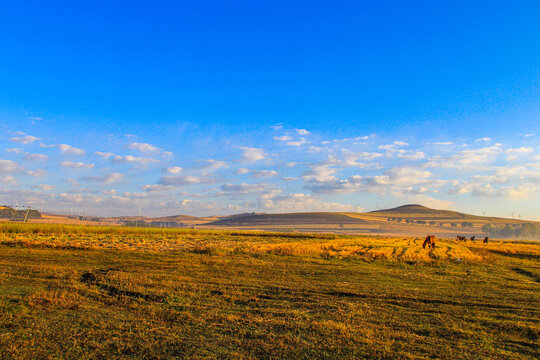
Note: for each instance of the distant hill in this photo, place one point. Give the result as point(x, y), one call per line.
point(312, 218)
point(419, 211)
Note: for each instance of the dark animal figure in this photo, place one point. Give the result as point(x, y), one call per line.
point(461, 238)
point(472, 238)
point(486, 239)
point(430, 242)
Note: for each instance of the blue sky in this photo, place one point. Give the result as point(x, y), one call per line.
point(213, 108)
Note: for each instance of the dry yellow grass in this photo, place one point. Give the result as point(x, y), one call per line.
point(224, 243)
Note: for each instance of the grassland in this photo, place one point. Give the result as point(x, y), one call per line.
point(117, 293)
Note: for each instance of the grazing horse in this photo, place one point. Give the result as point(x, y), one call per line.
point(472, 238)
point(430, 242)
point(486, 239)
point(461, 238)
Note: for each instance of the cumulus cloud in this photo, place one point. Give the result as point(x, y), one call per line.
point(283, 138)
point(242, 171)
point(320, 173)
point(143, 147)
point(43, 187)
point(8, 180)
point(36, 157)
point(68, 149)
point(483, 139)
point(514, 153)
point(213, 164)
point(76, 165)
point(251, 154)
point(173, 170)
point(275, 201)
point(106, 178)
point(9, 166)
point(397, 180)
point(264, 173)
point(130, 159)
point(413, 156)
point(302, 131)
point(104, 155)
point(22, 138)
point(298, 142)
point(242, 189)
point(487, 190)
point(467, 159)
point(184, 180)
point(37, 173)
point(156, 188)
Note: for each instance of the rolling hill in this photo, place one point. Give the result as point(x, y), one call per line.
point(312, 218)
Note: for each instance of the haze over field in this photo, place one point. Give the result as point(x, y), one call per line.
point(286, 108)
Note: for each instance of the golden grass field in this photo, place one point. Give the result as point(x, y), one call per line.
point(90, 292)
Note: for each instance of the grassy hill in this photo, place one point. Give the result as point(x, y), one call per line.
point(311, 218)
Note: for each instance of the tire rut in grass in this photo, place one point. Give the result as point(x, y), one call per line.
point(93, 279)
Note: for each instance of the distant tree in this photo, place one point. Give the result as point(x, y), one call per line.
point(507, 231)
point(489, 229)
point(453, 224)
point(432, 223)
point(341, 226)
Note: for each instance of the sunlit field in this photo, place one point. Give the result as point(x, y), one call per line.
point(84, 292)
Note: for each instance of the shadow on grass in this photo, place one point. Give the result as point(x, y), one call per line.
point(91, 279)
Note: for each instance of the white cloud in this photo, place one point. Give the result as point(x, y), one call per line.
point(9, 166)
point(467, 159)
point(513, 192)
point(106, 178)
point(104, 155)
point(8, 180)
point(302, 131)
point(43, 187)
point(130, 159)
point(14, 150)
point(76, 165)
point(443, 143)
point(242, 189)
point(483, 139)
point(283, 138)
point(212, 164)
point(173, 170)
point(37, 173)
point(184, 180)
point(264, 173)
point(319, 173)
point(156, 188)
point(143, 147)
point(242, 171)
point(36, 157)
point(299, 142)
point(253, 154)
point(23, 138)
point(513, 154)
point(274, 201)
point(68, 149)
point(412, 156)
